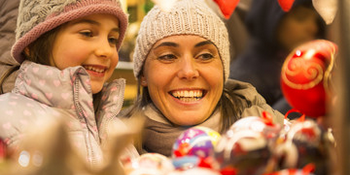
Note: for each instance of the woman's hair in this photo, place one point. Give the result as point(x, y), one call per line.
point(40, 51)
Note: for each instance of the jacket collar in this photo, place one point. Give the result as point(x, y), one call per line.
point(69, 89)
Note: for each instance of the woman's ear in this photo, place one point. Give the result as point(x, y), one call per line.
point(143, 81)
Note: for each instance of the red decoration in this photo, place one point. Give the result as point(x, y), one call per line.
point(305, 77)
point(3, 150)
point(286, 5)
point(227, 7)
point(307, 170)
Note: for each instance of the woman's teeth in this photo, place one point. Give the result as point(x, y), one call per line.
point(188, 95)
point(91, 68)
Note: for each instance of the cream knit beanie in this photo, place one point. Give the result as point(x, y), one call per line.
point(190, 17)
point(35, 17)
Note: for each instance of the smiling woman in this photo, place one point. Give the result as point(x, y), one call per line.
point(181, 62)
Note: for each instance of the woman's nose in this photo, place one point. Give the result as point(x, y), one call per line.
point(188, 68)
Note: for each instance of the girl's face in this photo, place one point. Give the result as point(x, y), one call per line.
point(184, 76)
point(298, 26)
point(89, 42)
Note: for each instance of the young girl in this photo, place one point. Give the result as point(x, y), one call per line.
point(68, 49)
point(182, 65)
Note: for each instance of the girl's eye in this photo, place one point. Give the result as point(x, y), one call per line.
point(86, 33)
point(113, 40)
point(168, 57)
point(206, 56)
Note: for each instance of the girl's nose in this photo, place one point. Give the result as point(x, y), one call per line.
point(104, 49)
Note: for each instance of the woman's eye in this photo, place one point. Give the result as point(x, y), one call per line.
point(86, 33)
point(167, 57)
point(206, 56)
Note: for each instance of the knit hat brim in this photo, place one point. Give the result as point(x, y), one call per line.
point(54, 21)
point(186, 17)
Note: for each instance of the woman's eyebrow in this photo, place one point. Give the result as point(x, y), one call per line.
point(203, 43)
point(171, 44)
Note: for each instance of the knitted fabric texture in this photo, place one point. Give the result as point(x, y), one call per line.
point(39, 16)
point(186, 17)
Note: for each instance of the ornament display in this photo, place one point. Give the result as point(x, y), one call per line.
point(307, 170)
point(286, 5)
point(197, 170)
point(246, 147)
point(150, 163)
point(306, 143)
point(196, 141)
point(326, 8)
point(306, 75)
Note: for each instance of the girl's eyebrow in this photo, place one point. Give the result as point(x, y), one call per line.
point(171, 44)
point(93, 23)
point(203, 43)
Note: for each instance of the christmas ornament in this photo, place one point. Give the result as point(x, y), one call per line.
point(263, 125)
point(245, 147)
point(196, 141)
point(197, 170)
point(150, 163)
point(189, 162)
point(306, 76)
point(3, 150)
point(326, 8)
point(227, 7)
point(306, 143)
point(307, 170)
point(286, 5)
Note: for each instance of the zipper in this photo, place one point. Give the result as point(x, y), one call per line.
point(105, 123)
point(80, 114)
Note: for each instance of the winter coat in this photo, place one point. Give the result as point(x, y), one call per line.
point(261, 62)
point(8, 18)
point(160, 135)
point(43, 92)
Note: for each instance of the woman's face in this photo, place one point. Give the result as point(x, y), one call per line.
point(184, 76)
point(89, 42)
point(298, 26)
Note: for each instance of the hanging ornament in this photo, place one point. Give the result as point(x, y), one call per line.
point(164, 5)
point(327, 9)
point(306, 76)
point(286, 5)
point(227, 7)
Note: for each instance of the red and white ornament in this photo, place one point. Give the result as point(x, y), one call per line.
point(305, 77)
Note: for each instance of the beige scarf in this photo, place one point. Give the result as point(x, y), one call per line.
point(160, 134)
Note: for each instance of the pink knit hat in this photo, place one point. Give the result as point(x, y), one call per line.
point(39, 16)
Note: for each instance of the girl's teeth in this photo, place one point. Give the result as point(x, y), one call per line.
point(94, 69)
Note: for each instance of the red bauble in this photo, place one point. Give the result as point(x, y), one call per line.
point(305, 76)
point(286, 5)
point(227, 7)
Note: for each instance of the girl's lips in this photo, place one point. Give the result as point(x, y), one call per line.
point(96, 70)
